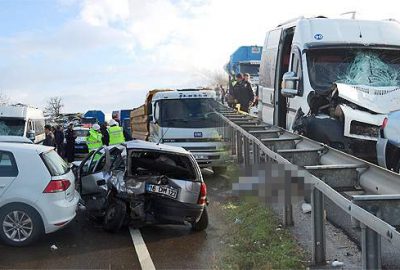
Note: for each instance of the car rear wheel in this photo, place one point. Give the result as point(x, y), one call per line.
point(115, 216)
point(20, 225)
point(202, 224)
point(219, 170)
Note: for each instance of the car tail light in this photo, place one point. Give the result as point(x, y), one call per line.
point(384, 124)
point(203, 194)
point(57, 186)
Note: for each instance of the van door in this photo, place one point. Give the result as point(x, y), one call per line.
point(267, 74)
point(8, 170)
point(293, 104)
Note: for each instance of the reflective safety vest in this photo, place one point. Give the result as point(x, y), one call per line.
point(94, 141)
point(116, 135)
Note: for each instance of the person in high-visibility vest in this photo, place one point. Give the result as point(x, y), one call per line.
point(116, 133)
point(93, 140)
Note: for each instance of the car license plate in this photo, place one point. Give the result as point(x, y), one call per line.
point(165, 190)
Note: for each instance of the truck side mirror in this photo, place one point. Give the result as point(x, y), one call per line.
point(31, 135)
point(289, 84)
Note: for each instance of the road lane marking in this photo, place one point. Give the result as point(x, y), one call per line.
point(141, 250)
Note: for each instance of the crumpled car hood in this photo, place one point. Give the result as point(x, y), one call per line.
point(377, 99)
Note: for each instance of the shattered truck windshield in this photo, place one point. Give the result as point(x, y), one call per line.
point(12, 127)
point(370, 67)
point(187, 113)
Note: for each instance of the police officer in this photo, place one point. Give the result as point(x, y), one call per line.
point(116, 133)
point(94, 139)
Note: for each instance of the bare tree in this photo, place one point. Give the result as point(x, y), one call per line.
point(4, 99)
point(54, 106)
point(214, 78)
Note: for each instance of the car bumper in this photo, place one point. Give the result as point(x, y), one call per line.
point(381, 151)
point(58, 213)
point(211, 159)
point(170, 211)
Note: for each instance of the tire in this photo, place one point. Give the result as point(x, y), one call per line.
point(202, 224)
point(28, 220)
point(115, 216)
point(219, 169)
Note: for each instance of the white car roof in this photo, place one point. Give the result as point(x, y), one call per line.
point(14, 139)
point(139, 144)
point(23, 147)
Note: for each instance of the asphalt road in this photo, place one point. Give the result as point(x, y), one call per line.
point(84, 245)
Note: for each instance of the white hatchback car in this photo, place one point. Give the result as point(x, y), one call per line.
point(37, 192)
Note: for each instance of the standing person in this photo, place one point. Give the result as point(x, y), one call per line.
point(59, 137)
point(105, 136)
point(116, 133)
point(243, 93)
point(49, 140)
point(246, 79)
point(70, 146)
point(222, 93)
point(94, 139)
point(230, 96)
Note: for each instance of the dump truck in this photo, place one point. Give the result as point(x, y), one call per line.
point(184, 118)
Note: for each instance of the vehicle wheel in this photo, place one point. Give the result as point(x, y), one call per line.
point(202, 224)
point(115, 215)
point(20, 225)
point(219, 170)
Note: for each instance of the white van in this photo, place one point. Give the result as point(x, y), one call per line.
point(22, 120)
point(333, 80)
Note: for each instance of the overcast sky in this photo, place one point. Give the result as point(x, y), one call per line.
point(106, 54)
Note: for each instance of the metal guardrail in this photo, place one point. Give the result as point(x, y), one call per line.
point(331, 173)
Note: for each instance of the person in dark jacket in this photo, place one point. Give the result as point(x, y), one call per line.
point(59, 137)
point(49, 140)
point(70, 146)
point(243, 93)
point(106, 137)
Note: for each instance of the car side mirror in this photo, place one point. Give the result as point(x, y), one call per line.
point(31, 135)
point(289, 84)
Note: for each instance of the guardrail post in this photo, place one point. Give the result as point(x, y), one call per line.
point(370, 248)
point(318, 227)
point(287, 211)
point(233, 140)
point(246, 151)
point(256, 153)
point(239, 147)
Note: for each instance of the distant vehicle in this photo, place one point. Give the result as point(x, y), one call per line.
point(80, 141)
point(98, 116)
point(184, 118)
point(21, 120)
point(388, 146)
point(124, 118)
point(140, 183)
point(37, 192)
point(246, 59)
point(318, 78)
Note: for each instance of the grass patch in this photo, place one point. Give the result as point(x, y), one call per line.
point(255, 240)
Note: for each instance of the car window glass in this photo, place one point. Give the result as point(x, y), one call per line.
point(54, 163)
point(8, 166)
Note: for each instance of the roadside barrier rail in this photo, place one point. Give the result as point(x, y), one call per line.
point(375, 209)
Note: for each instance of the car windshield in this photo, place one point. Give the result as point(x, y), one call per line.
point(91, 120)
point(12, 127)
point(54, 163)
point(187, 113)
point(81, 132)
point(250, 68)
point(369, 67)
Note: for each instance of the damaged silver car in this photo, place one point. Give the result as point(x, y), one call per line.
point(140, 183)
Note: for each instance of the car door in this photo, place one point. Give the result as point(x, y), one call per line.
point(8, 170)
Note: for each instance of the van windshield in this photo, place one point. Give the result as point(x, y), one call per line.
point(12, 127)
point(250, 68)
point(187, 113)
point(90, 120)
point(369, 67)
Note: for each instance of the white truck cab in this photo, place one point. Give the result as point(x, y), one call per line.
point(23, 121)
point(333, 80)
point(186, 118)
